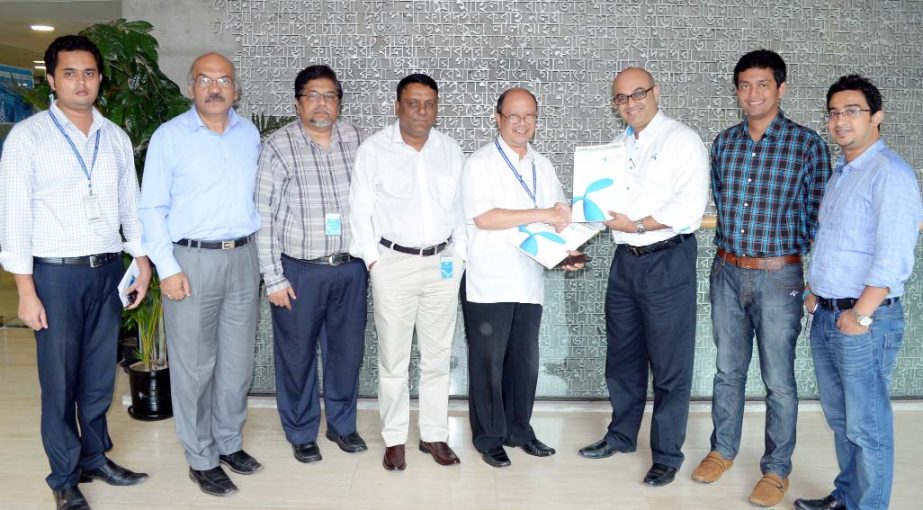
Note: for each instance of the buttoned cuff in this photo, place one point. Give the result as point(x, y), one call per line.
point(16, 264)
point(133, 248)
point(275, 284)
point(370, 256)
point(168, 268)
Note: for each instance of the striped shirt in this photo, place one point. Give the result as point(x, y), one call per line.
point(298, 184)
point(43, 192)
point(768, 192)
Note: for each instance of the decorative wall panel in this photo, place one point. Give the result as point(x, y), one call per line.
point(567, 53)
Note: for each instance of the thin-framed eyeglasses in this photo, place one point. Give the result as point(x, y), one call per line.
point(850, 112)
point(637, 95)
point(205, 81)
point(515, 118)
point(315, 96)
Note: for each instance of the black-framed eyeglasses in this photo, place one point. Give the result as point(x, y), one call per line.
point(850, 112)
point(637, 95)
point(315, 96)
point(514, 118)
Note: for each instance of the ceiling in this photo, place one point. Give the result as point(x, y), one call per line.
point(20, 45)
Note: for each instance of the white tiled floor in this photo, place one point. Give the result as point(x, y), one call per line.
point(357, 481)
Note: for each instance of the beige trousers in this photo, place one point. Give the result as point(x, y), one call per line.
point(409, 292)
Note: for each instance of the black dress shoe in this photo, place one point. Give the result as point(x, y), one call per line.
point(70, 499)
point(537, 448)
point(113, 474)
point(213, 481)
point(598, 450)
point(350, 443)
point(241, 462)
point(659, 475)
point(828, 503)
point(496, 457)
point(307, 452)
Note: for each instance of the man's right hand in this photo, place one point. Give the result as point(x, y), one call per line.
point(32, 312)
point(283, 297)
point(810, 303)
point(176, 287)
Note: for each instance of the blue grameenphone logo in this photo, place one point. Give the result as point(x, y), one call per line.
point(591, 211)
point(530, 243)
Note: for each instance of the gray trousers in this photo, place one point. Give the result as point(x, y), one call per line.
point(210, 337)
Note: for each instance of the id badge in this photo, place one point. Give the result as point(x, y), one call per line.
point(91, 209)
point(333, 224)
point(446, 267)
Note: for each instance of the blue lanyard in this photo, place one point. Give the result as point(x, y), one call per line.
point(83, 165)
point(522, 183)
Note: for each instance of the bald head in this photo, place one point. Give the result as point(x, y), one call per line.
point(516, 116)
point(213, 86)
point(635, 96)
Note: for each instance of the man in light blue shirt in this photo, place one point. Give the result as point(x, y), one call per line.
point(199, 218)
point(868, 227)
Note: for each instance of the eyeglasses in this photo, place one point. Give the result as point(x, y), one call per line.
point(315, 96)
point(637, 95)
point(529, 118)
point(205, 82)
point(851, 112)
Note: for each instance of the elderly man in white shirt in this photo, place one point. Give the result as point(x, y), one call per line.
point(408, 227)
point(651, 294)
point(506, 184)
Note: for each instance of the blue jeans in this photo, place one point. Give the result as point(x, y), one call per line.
point(767, 304)
point(854, 380)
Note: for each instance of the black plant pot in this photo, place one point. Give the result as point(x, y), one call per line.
point(150, 393)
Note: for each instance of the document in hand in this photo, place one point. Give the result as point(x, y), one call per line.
point(600, 183)
point(547, 247)
point(131, 274)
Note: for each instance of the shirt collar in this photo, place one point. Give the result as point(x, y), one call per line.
point(62, 118)
point(334, 134)
point(774, 129)
point(194, 122)
point(863, 158)
point(513, 155)
point(650, 130)
point(397, 138)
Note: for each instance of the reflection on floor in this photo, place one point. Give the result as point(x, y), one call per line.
point(357, 481)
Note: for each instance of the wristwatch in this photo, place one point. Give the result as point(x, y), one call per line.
point(863, 320)
point(639, 227)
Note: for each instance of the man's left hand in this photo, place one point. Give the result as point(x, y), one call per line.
point(849, 325)
point(621, 223)
point(142, 282)
point(573, 267)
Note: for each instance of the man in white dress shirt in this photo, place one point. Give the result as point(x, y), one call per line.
point(409, 228)
point(651, 295)
point(506, 184)
point(67, 188)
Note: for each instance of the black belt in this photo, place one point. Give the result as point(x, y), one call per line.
point(847, 303)
point(229, 244)
point(662, 245)
point(100, 259)
point(332, 260)
point(423, 252)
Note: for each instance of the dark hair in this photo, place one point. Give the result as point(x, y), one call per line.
point(70, 43)
point(860, 83)
point(316, 72)
point(761, 59)
point(503, 97)
point(420, 78)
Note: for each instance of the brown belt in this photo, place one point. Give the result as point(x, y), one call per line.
point(765, 263)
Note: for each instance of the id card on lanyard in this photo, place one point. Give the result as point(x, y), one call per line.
point(90, 203)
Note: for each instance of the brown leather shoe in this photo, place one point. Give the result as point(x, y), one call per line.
point(769, 490)
point(394, 458)
point(711, 468)
point(441, 452)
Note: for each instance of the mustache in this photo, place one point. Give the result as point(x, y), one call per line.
point(217, 96)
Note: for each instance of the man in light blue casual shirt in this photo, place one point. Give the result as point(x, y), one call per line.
point(868, 227)
point(199, 218)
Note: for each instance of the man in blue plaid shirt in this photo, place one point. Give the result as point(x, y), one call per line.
point(768, 178)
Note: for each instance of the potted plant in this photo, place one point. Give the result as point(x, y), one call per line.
point(149, 376)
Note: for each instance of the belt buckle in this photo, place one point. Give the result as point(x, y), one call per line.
point(95, 261)
point(228, 245)
point(333, 260)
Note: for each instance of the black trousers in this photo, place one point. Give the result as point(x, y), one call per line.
point(331, 308)
point(76, 364)
point(650, 327)
point(502, 370)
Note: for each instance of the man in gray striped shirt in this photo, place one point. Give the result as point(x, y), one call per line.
point(317, 290)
